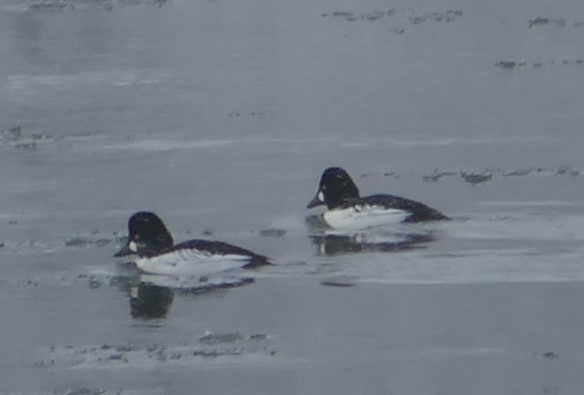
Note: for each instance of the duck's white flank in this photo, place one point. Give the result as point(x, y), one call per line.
point(363, 216)
point(190, 262)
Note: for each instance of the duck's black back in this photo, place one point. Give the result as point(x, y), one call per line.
point(419, 212)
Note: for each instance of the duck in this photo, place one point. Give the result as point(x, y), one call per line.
point(346, 209)
point(152, 249)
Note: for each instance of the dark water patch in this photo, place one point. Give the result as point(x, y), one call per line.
point(573, 61)
point(518, 173)
point(75, 5)
point(43, 279)
point(369, 16)
point(552, 389)
point(480, 176)
point(210, 345)
point(249, 114)
point(412, 18)
point(538, 171)
point(82, 390)
point(437, 175)
point(86, 391)
point(391, 174)
point(81, 136)
point(547, 355)
point(338, 283)
point(208, 232)
point(111, 280)
point(522, 64)
point(418, 18)
point(158, 3)
point(477, 178)
point(18, 137)
point(543, 21)
point(213, 339)
point(30, 246)
point(561, 22)
point(273, 232)
point(314, 223)
point(510, 64)
point(207, 285)
point(51, 5)
point(21, 138)
point(84, 241)
point(567, 171)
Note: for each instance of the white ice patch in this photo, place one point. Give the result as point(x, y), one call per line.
point(320, 196)
point(190, 262)
point(361, 217)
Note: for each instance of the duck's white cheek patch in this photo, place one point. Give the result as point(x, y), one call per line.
point(321, 196)
point(133, 247)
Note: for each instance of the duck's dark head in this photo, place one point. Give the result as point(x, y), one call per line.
point(336, 189)
point(147, 235)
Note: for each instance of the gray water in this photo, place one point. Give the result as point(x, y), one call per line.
point(220, 116)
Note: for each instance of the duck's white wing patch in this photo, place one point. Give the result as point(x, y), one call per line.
point(190, 262)
point(363, 216)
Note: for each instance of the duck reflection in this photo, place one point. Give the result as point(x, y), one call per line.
point(151, 296)
point(330, 242)
point(338, 244)
point(150, 301)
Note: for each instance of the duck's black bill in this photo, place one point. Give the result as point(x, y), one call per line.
point(125, 251)
point(314, 202)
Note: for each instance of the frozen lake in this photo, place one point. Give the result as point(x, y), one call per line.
point(220, 115)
